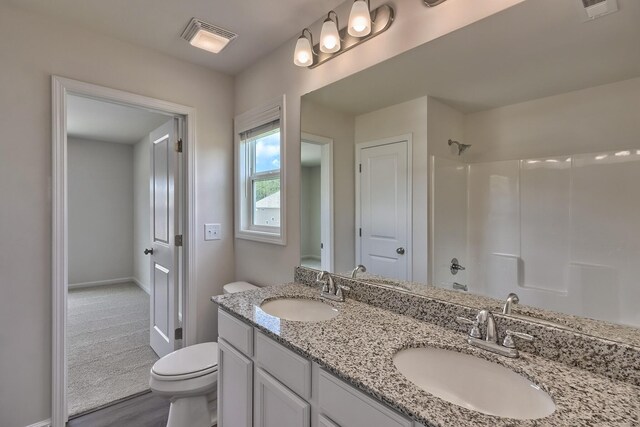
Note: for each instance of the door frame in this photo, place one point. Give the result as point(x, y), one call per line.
point(326, 192)
point(61, 88)
point(408, 138)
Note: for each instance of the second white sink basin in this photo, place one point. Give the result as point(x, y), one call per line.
point(474, 383)
point(300, 309)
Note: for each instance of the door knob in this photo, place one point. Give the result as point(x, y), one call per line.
point(148, 251)
point(400, 251)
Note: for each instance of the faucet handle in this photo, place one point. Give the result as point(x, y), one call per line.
point(339, 289)
point(475, 331)
point(508, 339)
point(320, 280)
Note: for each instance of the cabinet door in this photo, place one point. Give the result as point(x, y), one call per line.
point(349, 407)
point(235, 387)
point(277, 406)
point(326, 422)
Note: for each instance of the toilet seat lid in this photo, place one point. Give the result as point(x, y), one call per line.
point(195, 359)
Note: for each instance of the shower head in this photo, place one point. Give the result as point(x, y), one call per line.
point(461, 147)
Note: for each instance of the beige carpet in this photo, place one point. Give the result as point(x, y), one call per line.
point(109, 357)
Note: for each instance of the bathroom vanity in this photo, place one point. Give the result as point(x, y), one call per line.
point(262, 378)
point(341, 371)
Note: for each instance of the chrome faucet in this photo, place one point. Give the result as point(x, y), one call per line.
point(512, 299)
point(486, 318)
point(359, 268)
point(490, 341)
point(329, 289)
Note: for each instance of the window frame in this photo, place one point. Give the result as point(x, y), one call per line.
point(245, 174)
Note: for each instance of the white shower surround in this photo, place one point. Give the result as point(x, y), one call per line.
point(559, 231)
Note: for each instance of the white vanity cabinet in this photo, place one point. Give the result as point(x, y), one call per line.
point(261, 383)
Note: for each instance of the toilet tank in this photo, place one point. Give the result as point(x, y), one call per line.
point(234, 287)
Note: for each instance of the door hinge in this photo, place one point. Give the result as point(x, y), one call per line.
point(178, 240)
point(360, 167)
point(179, 146)
point(178, 333)
point(360, 232)
point(321, 245)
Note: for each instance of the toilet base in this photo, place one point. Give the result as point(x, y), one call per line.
point(194, 411)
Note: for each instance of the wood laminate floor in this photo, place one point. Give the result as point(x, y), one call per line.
point(147, 410)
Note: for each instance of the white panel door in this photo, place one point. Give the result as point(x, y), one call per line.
point(384, 195)
point(164, 254)
point(277, 406)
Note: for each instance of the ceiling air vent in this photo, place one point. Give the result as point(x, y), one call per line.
point(207, 36)
point(592, 9)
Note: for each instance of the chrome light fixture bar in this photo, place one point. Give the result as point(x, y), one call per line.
point(335, 41)
point(432, 3)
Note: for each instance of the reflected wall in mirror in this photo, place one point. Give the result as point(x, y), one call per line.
point(509, 146)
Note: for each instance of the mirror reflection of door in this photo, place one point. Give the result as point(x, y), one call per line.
point(383, 201)
point(316, 202)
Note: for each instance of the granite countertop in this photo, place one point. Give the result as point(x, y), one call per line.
point(358, 346)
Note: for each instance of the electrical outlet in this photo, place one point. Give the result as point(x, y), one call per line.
point(212, 232)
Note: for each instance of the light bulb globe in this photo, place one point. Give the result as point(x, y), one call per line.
point(329, 37)
point(359, 19)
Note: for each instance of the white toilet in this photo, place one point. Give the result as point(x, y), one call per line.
point(189, 377)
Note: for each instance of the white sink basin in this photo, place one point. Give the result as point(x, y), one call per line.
point(473, 383)
point(300, 309)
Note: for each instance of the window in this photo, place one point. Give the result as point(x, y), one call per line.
point(259, 175)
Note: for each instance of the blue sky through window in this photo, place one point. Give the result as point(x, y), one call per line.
point(268, 153)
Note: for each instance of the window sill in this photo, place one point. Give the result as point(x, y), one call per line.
point(262, 236)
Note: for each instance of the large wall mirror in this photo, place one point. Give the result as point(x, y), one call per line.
point(502, 158)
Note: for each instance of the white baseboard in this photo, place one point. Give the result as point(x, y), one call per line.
point(141, 285)
point(45, 423)
point(100, 283)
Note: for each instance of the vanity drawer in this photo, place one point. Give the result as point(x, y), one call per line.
point(289, 368)
point(235, 332)
point(349, 407)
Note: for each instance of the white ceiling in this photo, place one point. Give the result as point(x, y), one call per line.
point(535, 49)
point(104, 121)
point(262, 26)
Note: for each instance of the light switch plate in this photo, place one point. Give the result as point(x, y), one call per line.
point(212, 232)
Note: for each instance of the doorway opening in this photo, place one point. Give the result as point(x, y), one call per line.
point(123, 220)
point(316, 202)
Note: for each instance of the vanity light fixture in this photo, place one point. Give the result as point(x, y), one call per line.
point(363, 25)
point(303, 55)
point(207, 36)
point(360, 18)
point(330, 36)
point(432, 3)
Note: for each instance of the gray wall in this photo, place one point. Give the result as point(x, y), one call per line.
point(100, 178)
point(318, 120)
point(25, 176)
point(141, 211)
point(310, 200)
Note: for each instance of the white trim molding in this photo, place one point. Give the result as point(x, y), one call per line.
point(45, 423)
point(327, 229)
point(142, 286)
point(101, 283)
point(61, 89)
